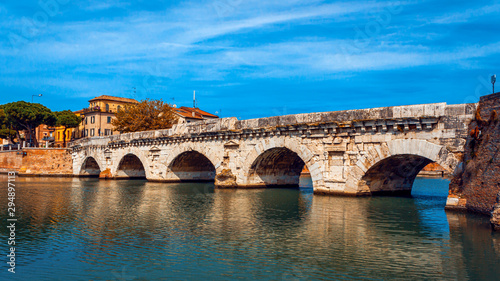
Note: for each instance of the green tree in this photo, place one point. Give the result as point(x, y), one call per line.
point(67, 119)
point(27, 116)
point(144, 116)
point(5, 131)
point(3, 117)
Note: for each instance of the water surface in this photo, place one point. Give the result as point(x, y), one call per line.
point(86, 229)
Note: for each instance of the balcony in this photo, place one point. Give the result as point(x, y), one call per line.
point(96, 109)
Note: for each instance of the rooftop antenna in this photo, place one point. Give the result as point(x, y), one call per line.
point(493, 80)
point(194, 99)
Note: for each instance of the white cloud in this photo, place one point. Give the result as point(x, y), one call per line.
point(193, 39)
point(467, 15)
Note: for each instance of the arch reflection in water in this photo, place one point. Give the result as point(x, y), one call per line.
point(192, 231)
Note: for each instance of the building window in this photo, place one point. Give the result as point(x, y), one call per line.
point(107, 132)
point(86, 134)
point(118, 109)
point(109, 119)
point(92, 120)
point(107, 107)
point(92, 132)
point(86, 121)
point(99, 132)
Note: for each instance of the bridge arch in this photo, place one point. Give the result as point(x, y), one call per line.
point(279, 162)
point(392, 167)
point(130, 166)
point(90, 167)
point(190, 162)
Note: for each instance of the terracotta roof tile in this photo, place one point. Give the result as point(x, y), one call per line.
point(111, 98)
point(199, 111)
point(187, 114)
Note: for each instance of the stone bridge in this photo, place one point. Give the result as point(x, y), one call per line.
point(354, 152)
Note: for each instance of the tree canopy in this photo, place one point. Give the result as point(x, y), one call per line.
point(144, 116)
point(67, 119)
point(3, 117)
point(26, 116)
point(5, 131)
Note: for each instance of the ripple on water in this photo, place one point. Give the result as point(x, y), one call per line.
point(86, 229)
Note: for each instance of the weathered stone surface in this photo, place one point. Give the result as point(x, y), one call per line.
point(34, 161)
point(495, 215)
point(10, 161)
point(106, 174)
point(478, 182)
point(225, 179)
point(346, 152)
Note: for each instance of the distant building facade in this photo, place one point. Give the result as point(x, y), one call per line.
point(45, 135)
point(54, 136)
point(97, 117)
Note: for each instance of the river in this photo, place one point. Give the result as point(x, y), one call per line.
point(86, 229)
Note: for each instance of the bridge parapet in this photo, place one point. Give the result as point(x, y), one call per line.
point(351, 122)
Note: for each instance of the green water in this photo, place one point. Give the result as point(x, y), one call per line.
point(86, 229)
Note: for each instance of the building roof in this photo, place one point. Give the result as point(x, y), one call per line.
point(111, 98)
point(187, 114)
point(198, 111)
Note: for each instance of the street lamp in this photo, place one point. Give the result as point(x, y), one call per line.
point(39, 95)
point(493, 80)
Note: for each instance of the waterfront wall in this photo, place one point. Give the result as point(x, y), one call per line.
point(37, 162)
point(10, 160)
point(477, 187)
point(433, 170)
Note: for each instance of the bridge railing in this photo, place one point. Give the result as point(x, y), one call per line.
point(434, 110)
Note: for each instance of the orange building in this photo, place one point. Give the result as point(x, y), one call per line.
point(45, 135)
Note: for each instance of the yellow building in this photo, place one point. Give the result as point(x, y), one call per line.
point(70, 133)
point(59, 141)
point(97, 117)
point(53, 136)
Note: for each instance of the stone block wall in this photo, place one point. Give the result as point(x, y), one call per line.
point(33, 161)
point(10, 160)
point(476, 187)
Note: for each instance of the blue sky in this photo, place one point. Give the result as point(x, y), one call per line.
point(249, 58)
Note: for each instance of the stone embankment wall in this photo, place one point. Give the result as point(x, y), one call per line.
point(477, 187)
point(433, 170)
point(37, 162)
point(10, 160)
